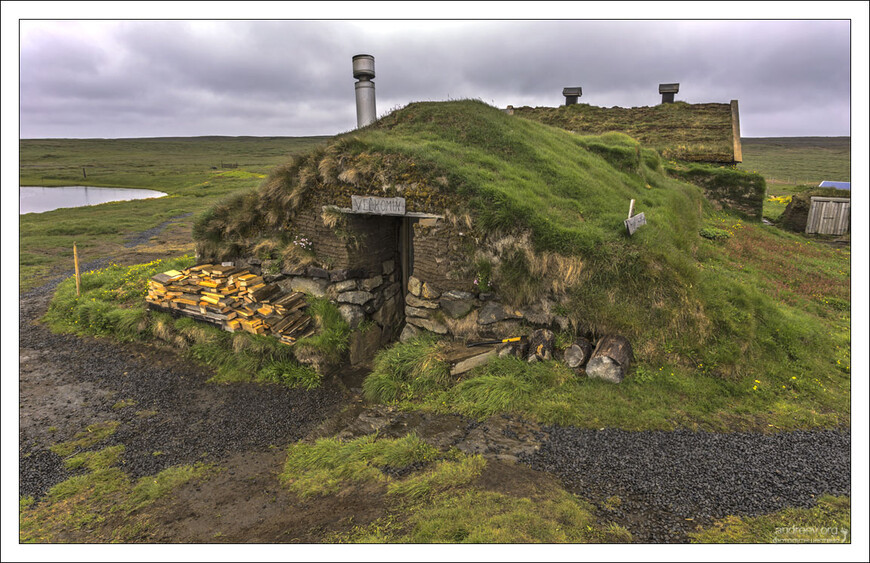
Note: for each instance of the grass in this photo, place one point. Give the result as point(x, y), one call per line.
point(407, 370)
point(778, 354)
point(101, 505)
point(90, 436)
point(112, 305)
point(330, 464)
point(330, 342)
point(179, 167)
point(698, 132)
point(794, 161)
point(829, 521)
point(438, 502)
point(482, 517)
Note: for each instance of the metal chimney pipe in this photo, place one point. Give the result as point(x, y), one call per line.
point(364, 71)
point(667, 91)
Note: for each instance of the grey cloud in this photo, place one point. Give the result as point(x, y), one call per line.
point(294, 77)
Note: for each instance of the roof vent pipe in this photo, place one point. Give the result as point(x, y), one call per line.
point(364, 71)
point(667, 91)
point(571, 95)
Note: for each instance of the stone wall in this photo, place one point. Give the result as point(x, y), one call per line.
point(469, 316)
point(361, 244)
point(365, 282)
point(441, 256)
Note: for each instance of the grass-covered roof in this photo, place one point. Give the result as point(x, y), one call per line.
point(696, 132)
point(570, 192)
point(697, 291)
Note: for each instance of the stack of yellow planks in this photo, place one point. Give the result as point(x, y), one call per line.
point(232, 298)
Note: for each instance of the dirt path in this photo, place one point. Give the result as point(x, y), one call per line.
point(170, 415)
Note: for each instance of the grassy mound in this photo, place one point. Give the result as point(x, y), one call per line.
point(752, 323)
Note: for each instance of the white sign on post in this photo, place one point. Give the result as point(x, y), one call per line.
point(633, 222)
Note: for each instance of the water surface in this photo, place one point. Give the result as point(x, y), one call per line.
point(36, 199)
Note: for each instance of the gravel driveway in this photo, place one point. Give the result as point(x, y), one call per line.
point(668, 482)
point(172, 416)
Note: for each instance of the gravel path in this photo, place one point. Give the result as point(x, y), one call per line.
point(668, 482)
point(145, 236)
point(174, 416)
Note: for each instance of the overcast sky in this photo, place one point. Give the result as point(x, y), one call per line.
point(180, 78)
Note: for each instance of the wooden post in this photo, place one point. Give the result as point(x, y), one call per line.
point(84, 174)
point(78, 275)
point(630, 208)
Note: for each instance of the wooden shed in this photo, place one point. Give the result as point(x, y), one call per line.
point(829, 215)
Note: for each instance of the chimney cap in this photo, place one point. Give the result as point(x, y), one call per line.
point(572, 91)
point(363, 67)
point(671, 88)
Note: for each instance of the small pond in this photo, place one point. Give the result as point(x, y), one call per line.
point(35, 199)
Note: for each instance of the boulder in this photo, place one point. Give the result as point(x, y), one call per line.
point(315, 287)
point(315, 272)
point(409, 332)
point(414, 286)
point(417, 302)
point(457, 295)
point(428, 324)
point(338, 275)
point(341, 286)
point(293, 271)
point(456, 308)
point(417, 312)
point(429, 291)
point(355, 297)
point(392, 289)
point(371, 283)
point(353, 314)
point(493, 312)
point(387, 315)
point(364, 344)
point(388, 267)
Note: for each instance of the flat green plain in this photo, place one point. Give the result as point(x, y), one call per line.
point(195, 172)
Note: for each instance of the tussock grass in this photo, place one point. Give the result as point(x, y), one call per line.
point(330, 464)
point(407, 370)
point(444, 476)
point(470, 515)
point(330, 342)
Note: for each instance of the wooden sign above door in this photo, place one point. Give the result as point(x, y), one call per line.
point(377, 205)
